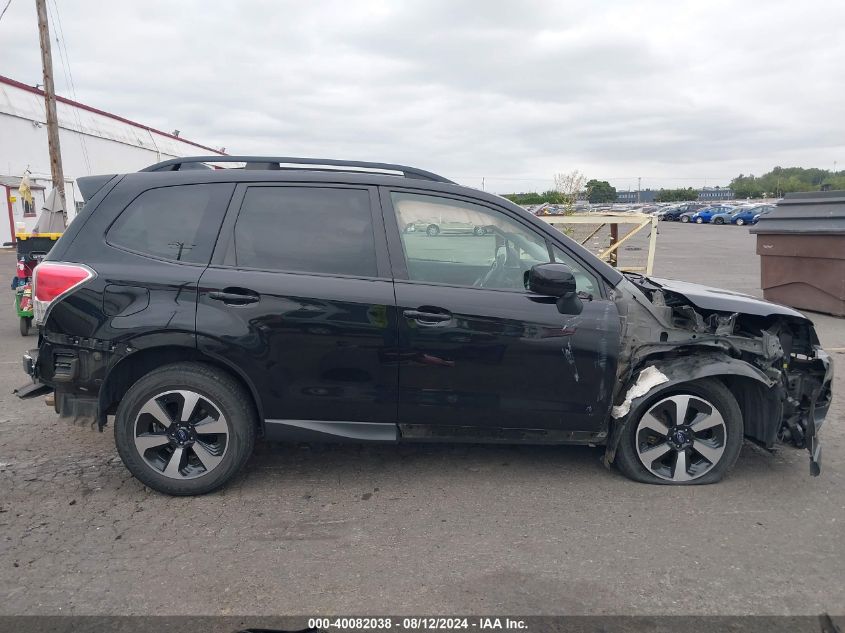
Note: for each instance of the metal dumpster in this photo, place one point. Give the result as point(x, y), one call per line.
point(801, 244)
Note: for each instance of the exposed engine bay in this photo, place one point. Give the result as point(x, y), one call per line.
point(768, 355)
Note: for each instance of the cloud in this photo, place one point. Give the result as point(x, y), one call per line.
point(512, 92)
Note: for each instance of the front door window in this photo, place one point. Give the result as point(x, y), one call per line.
point(461, 243)
point(464, 244)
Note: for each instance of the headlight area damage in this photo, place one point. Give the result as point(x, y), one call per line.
point(767, 355)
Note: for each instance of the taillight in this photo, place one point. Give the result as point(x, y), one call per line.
point(53, 280)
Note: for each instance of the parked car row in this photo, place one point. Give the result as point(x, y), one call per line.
point(715, 214)
point(673, 214)
point(739, 213)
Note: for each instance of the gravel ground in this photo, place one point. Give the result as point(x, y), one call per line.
point(427, 529)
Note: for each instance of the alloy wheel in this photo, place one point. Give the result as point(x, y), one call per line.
point(681, 438)
point(181, 434)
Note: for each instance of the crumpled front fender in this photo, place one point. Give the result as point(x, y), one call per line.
point(661, 374)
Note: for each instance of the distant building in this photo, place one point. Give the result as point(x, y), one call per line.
point(715, 194)
point(630, 197)
point(647, 196)
point(92, 141)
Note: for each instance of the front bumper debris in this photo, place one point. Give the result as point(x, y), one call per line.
point(819, 406)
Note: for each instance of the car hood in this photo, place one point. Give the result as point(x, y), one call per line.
point(708, 298)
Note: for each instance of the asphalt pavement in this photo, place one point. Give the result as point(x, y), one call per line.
point(422, 529)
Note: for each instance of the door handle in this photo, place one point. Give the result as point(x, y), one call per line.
point(234, 296)
point(427, 318)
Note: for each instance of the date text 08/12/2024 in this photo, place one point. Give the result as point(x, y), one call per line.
point(418, 623)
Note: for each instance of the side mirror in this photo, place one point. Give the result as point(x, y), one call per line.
point(556, 280)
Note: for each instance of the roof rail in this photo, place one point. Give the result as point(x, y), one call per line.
point(289, 162)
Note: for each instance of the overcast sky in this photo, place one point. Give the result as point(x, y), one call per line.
point(674, 92)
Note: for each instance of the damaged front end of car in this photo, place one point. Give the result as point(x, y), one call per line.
point(766, 354)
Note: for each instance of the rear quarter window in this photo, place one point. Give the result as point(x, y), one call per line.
point(178, 223)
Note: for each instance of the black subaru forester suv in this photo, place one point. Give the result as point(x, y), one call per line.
point(321, 300)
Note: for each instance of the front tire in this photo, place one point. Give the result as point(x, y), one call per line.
point(684, 219)
point(699, 221)
point(740, 221)
point(433, 230)
point(185, 429)
point(688, 434)
point(719, 221)
point(25, 324)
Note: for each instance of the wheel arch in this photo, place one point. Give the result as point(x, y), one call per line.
point(755, 393)
point(136, 365)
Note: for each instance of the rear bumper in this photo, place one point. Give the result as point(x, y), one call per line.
point(30, 360)
point(34, 388)
point(68, 404)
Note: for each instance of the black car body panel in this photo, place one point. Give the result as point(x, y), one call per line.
point(505, 360)
point(382, 356)
point(314, 347)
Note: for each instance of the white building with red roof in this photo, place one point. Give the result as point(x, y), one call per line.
point(92, 142)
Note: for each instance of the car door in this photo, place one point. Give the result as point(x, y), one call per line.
point(299, 299)
point(479, 353)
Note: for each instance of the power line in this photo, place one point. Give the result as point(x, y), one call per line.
point(4, 9)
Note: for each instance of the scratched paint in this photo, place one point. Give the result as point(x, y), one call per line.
point(570, 358)
point(601, 357)
point(571, 325)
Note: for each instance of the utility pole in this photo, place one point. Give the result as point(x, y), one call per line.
point(50, 103)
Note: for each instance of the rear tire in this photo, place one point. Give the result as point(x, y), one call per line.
point(212, 414)
point(684, 219)
point(719, 221)
point(699, 221)
point(719, 436)
point(740, 221)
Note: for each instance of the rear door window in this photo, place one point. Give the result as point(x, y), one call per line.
point(178, 223)
point(306, 229)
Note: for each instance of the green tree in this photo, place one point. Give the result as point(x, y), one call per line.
point(747, 187)
point(676, 195)
point(781, 180)
point(551, 196)
point(570, 186)
point(600, 191)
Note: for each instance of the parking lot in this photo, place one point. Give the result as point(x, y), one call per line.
point(422, 529)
